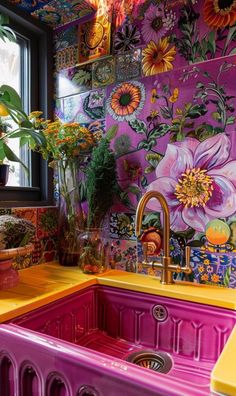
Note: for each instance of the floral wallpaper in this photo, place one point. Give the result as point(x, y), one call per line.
point(167, 81)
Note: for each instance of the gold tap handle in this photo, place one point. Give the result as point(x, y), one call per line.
point(188, 268)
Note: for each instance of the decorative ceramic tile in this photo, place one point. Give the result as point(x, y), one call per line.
point(30, 5)
point(103, 72)
point(74, 81)
point(128, 65)
point(127, 37)
point(82, 108)
point(65, 38)
point(123, 255)
point(37, 252)
point(47, 222)
point(122, 226)
point(50, 246)
point(94, 39)
point(214, 268)
point(29, 214)
point(66, 58)
point(61, 12)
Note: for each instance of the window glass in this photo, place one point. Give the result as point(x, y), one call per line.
point(12, 71)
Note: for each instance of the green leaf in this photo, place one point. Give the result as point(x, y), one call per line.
point(216, 116)
point(112, 132)
point(2, 154)
point(200, 85)
point(162, 130)
point(144, 181)
point(149, 169)
point(230, 36)
point(230, 120)
point(138, 126)
point(212, 42)
point(144, 144)
point(38, 137)
point(196, 111)
point(10, 95)
point(166, 112)
point(4, 20)
point(23, 140)
point(12, 157)
point(134, 189)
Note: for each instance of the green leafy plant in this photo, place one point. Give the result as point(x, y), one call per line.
point(6, 33)
point(11, 106)
point(101, 183)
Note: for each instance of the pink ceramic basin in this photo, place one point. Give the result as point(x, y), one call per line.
point(82, 344)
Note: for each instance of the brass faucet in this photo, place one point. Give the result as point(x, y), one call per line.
point(166, 263)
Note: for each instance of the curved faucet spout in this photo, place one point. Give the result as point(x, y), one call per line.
point(166, 266)
point(166, 226)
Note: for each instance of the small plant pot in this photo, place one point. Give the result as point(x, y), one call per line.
point(21, 256)
point(4, 174)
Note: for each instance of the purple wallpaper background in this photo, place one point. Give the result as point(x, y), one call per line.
point(168, 82)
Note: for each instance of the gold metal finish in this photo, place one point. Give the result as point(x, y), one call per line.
point(165, 265)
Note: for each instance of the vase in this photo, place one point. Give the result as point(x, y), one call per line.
point(70, 211)
point(94, 250)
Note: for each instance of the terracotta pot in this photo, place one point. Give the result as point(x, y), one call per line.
point(6, 254)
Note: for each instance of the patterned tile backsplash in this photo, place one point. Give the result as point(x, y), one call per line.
point(175, 111)
point(45, 240)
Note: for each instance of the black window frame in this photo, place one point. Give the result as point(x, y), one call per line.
point(40, 38)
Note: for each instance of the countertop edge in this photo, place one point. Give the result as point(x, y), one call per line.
point(223, 374)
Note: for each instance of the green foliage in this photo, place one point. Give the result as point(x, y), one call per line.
point(26, 130)
point(101, 183)
point(195, 48)
point(6, 33)
point(138, 126)
point(213, 92)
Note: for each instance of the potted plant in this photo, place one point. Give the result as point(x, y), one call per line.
point(11, 106)
point(102, 188)
point(16, 247)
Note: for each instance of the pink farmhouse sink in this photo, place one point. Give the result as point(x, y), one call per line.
point(105, 341)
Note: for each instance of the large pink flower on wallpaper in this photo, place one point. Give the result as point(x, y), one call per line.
point(198, 180)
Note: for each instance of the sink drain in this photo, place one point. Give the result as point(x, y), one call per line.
point(156, 361)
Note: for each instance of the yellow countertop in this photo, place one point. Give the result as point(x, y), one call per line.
point(49, 282)
point(223, 378)
point(46, 283)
